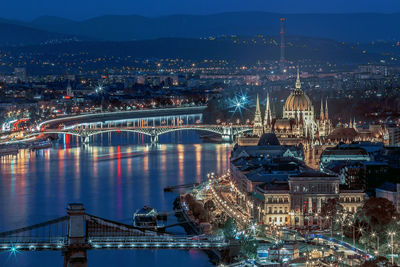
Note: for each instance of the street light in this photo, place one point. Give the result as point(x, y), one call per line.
point(354, 233)
point(391, 234)
point(377, 244)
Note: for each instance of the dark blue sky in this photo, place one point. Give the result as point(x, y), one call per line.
point(81, 9)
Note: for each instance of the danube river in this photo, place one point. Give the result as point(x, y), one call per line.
point(113, 176)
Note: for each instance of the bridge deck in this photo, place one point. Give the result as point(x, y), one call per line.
point(60, 243)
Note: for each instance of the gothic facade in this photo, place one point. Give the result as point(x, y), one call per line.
point(298, 122)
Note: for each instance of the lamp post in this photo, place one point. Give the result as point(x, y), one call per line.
point(354, 233)
point(341, 228)
point(376, 244)
point(392, 234)
point(99, 90)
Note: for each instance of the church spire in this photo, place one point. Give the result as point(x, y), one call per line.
point(258, 105)
point(268, 113)
point(321, 114)
point(257, 127)
point(69, 89)
point(298, 83)
point(326, 109)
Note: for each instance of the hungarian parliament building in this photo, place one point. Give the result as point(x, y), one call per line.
point(300, 125)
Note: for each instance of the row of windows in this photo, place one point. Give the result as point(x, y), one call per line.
point(277, 200)
point(276, 219)
point(316, 188)
point(276, 211)
point(351, 209)
point(350, 199)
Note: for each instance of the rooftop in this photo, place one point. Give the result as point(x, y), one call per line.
point(311, 173)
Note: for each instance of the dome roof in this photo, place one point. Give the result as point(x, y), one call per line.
point(297, 100)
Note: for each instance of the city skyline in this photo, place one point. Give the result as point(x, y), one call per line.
point(226, 139)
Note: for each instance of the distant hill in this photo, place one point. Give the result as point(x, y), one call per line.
point(363, 27)
point(240, 49)
point(17, 35)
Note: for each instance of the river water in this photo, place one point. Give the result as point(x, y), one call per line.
point(113, 176)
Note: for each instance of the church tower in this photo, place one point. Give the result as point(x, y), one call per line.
point(321, 114)
point(326, 110)
point(69, 90)
point(268, 117)
point(257, 126)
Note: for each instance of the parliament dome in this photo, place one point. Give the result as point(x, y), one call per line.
point(298, 101)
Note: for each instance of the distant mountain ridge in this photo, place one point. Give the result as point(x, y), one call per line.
point(18, 35)
point(362, 27)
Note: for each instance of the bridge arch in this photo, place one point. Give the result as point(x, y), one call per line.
point(227, 132)
point(210, 130)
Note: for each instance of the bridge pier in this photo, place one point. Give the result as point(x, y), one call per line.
point(75, 253)
point(227, 135)
point(75, 258)
point(154, 139)
point(85, 140)
point(227, 138)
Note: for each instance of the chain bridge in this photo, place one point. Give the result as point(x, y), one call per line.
point(78, 232)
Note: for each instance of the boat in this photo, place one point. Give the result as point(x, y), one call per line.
point(145, 218)
point(211, 138)
point(40, 144)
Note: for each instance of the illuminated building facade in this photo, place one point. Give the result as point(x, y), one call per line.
point(298, 123)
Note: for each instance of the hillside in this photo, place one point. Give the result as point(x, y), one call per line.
point(363, 27)
point(17, 35)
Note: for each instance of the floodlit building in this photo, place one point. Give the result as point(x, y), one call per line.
point(298, 123)
point(276, 188)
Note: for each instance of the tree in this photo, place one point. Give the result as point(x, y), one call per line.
point(230, 229)
point(376, 213)
point(248, 247)
point(331, 210)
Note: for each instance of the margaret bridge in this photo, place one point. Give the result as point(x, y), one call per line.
point(78, 232)
point(152, 123)
point(228, 132)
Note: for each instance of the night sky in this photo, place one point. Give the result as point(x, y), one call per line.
point(82, 9)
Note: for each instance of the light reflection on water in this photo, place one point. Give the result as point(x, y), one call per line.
point(36, 186)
